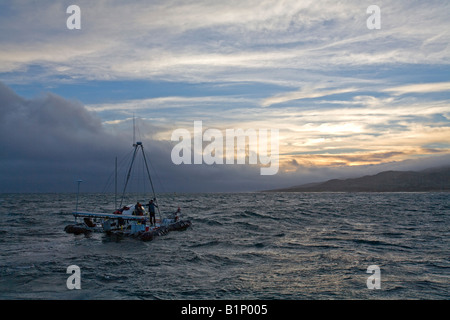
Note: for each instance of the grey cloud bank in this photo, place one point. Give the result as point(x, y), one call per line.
point(48, 142)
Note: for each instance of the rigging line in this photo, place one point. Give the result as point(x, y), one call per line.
point(124, 166)
point(120, 168)
point(151, 182)
point(109, 182)
point(144, 183)
point(157, 177)
point(129, 173)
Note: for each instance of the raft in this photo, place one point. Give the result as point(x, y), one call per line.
point(141, 235)
point(179, 225)
point(77, 229)
point(162, 231)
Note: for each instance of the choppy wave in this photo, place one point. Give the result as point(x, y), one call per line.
point(240, 246)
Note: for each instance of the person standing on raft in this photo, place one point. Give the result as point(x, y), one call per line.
point(151, 210)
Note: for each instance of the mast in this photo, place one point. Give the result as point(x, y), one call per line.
point(138, 145)
point(135, 145)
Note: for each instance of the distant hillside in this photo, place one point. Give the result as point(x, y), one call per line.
point(435, 179)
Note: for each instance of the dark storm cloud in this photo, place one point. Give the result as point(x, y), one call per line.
point(48, 142)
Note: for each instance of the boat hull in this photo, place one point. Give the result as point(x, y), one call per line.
point(163, 230)
point(77, 229)
point(179, 225)
point(141, 235)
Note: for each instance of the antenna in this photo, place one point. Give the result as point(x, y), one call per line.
point(115, 186)
point(78, 192)
point(134, 131)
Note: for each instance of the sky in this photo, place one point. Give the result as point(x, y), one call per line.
point(347, 100)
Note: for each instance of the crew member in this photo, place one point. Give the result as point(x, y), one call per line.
point(138, 209)
point(151, 210)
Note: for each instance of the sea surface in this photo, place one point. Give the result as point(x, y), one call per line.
point(282, 246)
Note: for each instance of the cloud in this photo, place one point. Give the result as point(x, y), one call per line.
point(48, 142)
point(204, 40)
point(419, 88)
point(305, 93)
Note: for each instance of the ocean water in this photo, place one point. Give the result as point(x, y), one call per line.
point(281, 246)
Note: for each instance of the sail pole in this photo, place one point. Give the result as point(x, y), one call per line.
point(115, 187)
point(129, 172)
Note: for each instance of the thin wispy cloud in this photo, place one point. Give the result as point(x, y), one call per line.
point(420, 88)
point(305, 93)
point(145, 40)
